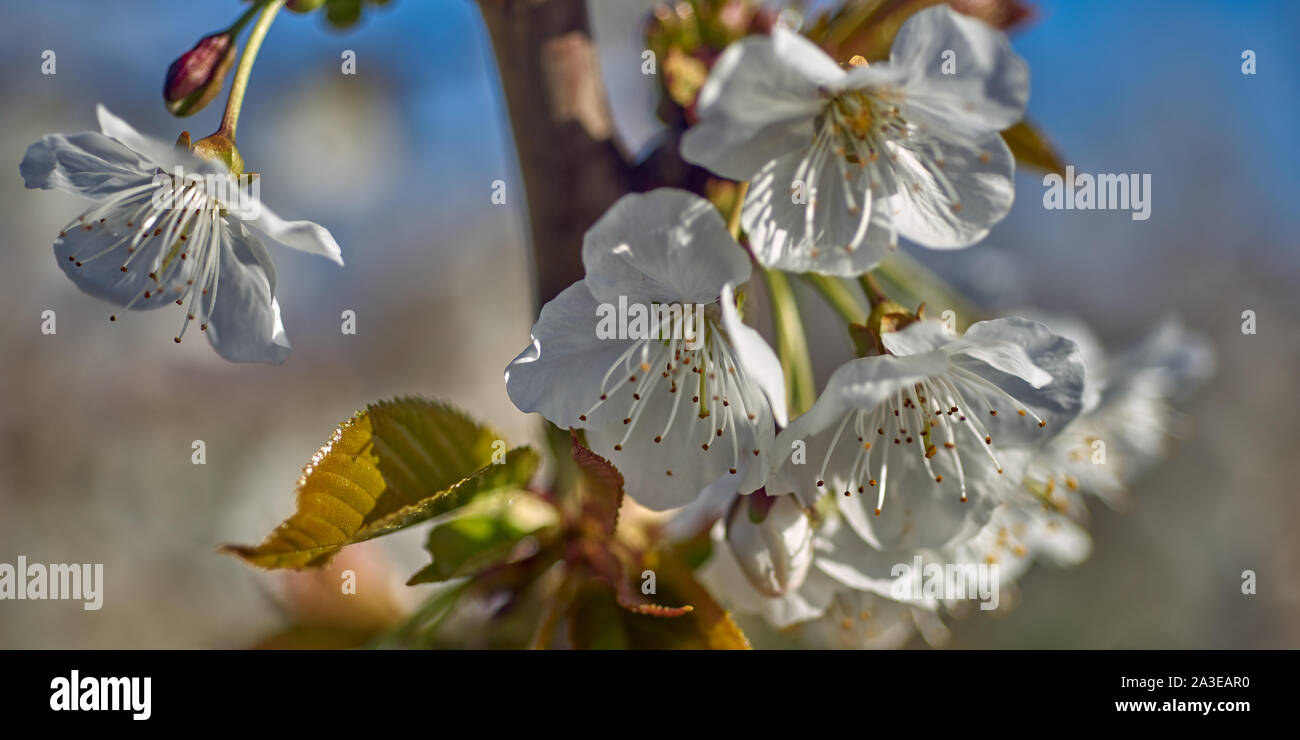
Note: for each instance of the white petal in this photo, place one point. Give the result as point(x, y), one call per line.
point(858, 620)
point(1173, 357)
point(618, 29)
point(559, 375)
point(691, 447)
point(997, 346)
point(776, 224)
point(694, 518)
point(918, 511)
point(1094, 355)
point(759, 103)
point(989, 88)
point(664, 246)
point(917, 338)
point(88, 164)
point(156, 151)
point(1056, 401)
point(982, 192)
point(244, 325)
point(301, 235)
point(102, 250)
point(844, 556)
point(760, 363)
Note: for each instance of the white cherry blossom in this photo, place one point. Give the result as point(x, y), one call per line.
point(194, 248)
point(919, 444)
point(843, 162)
point(672, 417)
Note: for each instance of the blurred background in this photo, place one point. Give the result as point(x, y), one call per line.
point(97, 420)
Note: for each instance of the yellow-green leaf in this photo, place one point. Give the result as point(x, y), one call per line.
point(1032, 149)
point(391, 466)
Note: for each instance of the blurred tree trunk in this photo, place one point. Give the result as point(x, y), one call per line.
point(572, 169)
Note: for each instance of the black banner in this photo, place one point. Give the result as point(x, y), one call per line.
point(250, 692)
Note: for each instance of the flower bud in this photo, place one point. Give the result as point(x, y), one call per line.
point(304, 6)
point(196, 77)
point(771, 539)
point(343, 13)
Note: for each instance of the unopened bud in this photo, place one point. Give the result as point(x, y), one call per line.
point(343, 13)
point(771, 539)
point(196, 77)
point(304, 6)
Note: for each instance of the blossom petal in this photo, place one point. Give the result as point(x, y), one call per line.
point(866, 382)
point(559, 375)
point(244, 325)
point(919, 511)
point(777, 224)
point(989, 87)
point(301, 235)
point(760, 363)
point(159, 152)
point(1095, 359)
point(88, 164)
point(618, 29)
point(663, 246)
point(978, 193)
point(1173, 357)
point(1002, 353)
point(1056, 402)
point(859, 620)
point(699, 515)
point(844, 556)
point(92, 254)
point(759, 103)
point(917, 338)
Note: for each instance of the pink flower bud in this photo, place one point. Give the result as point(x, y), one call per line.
point(196, 77)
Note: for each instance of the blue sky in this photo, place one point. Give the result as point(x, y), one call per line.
point(1122, 86)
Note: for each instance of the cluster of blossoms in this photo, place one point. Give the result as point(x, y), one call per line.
point(852, 594)
point(932, 447)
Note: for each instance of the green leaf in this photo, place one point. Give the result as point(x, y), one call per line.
point(396, 464)
point(1032, 149)
point(469, 543)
